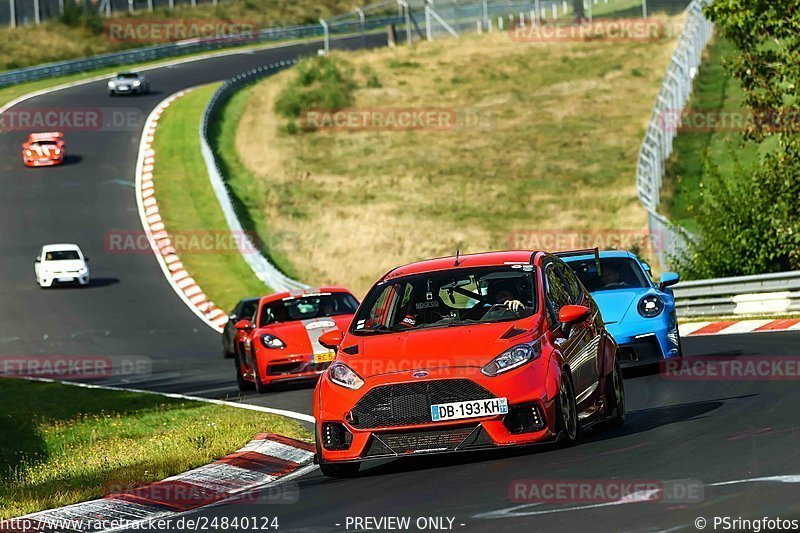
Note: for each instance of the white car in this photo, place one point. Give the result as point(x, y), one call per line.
point(61, 263)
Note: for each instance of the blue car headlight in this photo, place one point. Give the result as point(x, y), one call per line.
point(651, 306)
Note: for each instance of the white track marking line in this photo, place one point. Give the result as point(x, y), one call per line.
point(246, 406)
point(516, 511)
point(769, 479)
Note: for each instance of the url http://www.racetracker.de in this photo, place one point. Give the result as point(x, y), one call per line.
point(184, 523)
point(756, 525)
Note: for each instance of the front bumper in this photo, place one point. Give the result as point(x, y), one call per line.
point(648, 342)
point(53, 279)
point(291, 368)
point(531, 417)
point(43, 162)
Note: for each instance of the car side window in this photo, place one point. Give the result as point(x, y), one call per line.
point(557, 294)
point(572, 284)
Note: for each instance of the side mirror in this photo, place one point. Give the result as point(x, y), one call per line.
point(86, 259)
point(232, 317)
point(244, 325)
point(38, 260)
point(667, 279)
point(572, 314)
point(331, 339)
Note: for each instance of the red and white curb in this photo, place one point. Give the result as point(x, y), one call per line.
point(728, 327)
point(241, 477)
point(157, 235)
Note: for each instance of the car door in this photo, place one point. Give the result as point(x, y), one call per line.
point(572, 339)
point(592, 329)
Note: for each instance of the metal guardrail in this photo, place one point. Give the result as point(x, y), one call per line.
point(656, 147)
point(763, 294)
point(164, 51)
point(261, 266)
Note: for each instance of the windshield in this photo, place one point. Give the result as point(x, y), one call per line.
point(62, 255)
point(616, 273)
point(308, 307)
point(448, 298)
point(44, 144)
point(127, 76)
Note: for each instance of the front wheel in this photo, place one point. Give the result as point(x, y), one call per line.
point(242, 383)
point(615, 392)
point(261, 387)
point(566, 411)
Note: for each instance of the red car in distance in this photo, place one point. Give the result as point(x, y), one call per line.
point(281, 341)
point(466, 353)
point(44, 149)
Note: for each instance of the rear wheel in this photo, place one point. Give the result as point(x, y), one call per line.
point(615, 392)
point(242, 383)
point(566, 411)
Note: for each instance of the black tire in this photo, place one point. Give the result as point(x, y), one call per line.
point(336, 470)
point(566, 411)
point(615, 392)
point(261, 388)
point(243, 384)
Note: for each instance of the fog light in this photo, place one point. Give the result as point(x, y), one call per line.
point(523, 419)
point(335, 436)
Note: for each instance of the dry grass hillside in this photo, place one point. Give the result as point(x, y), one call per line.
point(550, 145)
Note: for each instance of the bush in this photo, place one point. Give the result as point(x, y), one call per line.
point(750, 222)
point(320, 83)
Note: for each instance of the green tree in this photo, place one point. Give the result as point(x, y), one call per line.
point(750, 222)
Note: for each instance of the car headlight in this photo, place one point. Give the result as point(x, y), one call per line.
point(343, 375)
point(271, 341)
point(83, 270)
point(136, 83)
point(111, 84)
point(651, 306)
point(57, 151)
point(28, 153)
point(512, 358)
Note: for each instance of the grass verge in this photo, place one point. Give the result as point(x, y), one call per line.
point(57, 41)
point(546, 139)
point(189, 207)
point(716, 95)
point(62, 444)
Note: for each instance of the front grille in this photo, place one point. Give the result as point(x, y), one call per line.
point(408, 404)
point(430, 441)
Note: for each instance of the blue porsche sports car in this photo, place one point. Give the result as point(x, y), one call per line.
point(639, 313)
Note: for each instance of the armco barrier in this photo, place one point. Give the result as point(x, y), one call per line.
point(763, 294)
point(261, 266)
point(164, 51)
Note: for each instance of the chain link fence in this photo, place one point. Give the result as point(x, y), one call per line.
point(656, 147)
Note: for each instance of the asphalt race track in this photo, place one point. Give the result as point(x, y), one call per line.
point(701, 433)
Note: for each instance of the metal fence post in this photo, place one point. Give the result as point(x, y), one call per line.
point(644, 8)
point(327, 35)
point(12, 13)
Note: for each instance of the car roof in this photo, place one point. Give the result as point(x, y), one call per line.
point(300, 293)
point(60, 247)
point(45, 136)
point(485, 259)
point(606, 253)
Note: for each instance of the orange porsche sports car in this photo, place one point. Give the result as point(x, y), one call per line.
point(466, 353)
point(44, 149)
point(281, 342)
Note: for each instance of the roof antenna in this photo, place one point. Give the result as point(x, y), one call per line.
point(458, 252)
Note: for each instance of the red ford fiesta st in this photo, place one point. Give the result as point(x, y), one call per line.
point(466, 353)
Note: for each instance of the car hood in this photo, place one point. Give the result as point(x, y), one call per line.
point(615, 305)
point(302, 336)
point(63, 266)
point(461, 346)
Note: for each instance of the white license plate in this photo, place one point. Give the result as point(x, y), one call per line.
point(470, 409)
point(64, 280)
